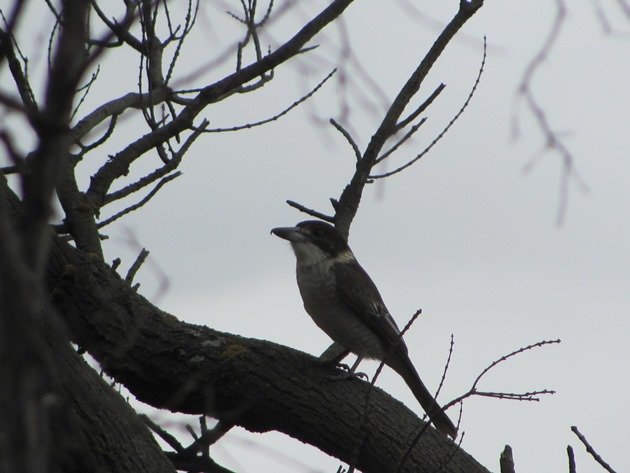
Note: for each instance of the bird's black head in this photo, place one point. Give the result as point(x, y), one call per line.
point(311, 235)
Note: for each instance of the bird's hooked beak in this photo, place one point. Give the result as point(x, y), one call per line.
point(292, 234)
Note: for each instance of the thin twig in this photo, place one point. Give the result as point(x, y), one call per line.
point(346, 135)
point(403, 123)
point(277, 116)
point(510, 355)
point(446, 366)
point(117, 166)
point(591, 450)
point(446, 128)
point(86, 90)
point(155, 175)
point(408, 135)
point(9, 47)
point(528, 396)
point(110, 129)
point(207, 438)
point(163, 434)
point(311, 212)
point(148, 197)
point(351, 195)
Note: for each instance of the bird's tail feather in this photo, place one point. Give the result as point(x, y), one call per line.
point(404, 367)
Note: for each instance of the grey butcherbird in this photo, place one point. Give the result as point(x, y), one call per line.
point(344, 302)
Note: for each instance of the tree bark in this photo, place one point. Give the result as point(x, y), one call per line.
point(256, 384)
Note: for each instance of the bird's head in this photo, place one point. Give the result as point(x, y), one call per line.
point(314, 241)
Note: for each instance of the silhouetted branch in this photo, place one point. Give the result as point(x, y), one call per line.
point(108, 133)
point(407, 135)
point(277, 116)
point(117, 166)
point(171, 165)
point(446, 128)
point(136, 206)
point(351, 195)
point(421, 108)
point(141, 258)
point(20, 77)
point(348, 138)
point(527, 396)
point(311, 212)
point(591, 450)
point(571, 457)
point(506, 460)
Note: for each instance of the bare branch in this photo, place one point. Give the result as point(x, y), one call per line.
point(117, 166)
point(506, 460)
point(110, 129)
point(163, 434)
point(312, 213)
point(446, 366)
point(528, 396)
point(408, 135)
point(142, 256)
point(121, 28)
point(19, 76)
point(86, 88)
point(446, 128)
point(277, 116)
point(171, 165)
point(348, 138)
point(117, 107)
point(510, 355)
point(403, 123)
point(208, 437)
point(188, 24)
point(571, 457)
point(351, 195)
point(136, 206)
point(591, 450)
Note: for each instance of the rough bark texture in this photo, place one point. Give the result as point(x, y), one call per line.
point(58, 415)
point(258, 385)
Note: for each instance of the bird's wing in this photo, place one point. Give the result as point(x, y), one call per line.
point(359, 292)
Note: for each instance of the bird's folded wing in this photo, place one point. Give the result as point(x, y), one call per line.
point(359, 292)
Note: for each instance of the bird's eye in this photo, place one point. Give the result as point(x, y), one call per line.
point(317, 233)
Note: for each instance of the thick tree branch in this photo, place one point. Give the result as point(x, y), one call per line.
point(252, 383)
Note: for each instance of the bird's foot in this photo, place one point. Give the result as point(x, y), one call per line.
point(345, 372)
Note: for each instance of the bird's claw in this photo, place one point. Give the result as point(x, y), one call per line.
point(345, 372)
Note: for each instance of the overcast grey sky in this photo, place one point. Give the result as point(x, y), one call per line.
point(465, 234)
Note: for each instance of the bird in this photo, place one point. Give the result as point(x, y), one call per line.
point(344, 302)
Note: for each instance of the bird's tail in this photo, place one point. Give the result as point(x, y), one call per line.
point(403, 366)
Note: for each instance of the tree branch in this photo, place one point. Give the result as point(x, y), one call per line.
point(252, 383)
point(119, 163)
point(351, 195)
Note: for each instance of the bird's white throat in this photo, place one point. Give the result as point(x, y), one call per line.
point(309, 254)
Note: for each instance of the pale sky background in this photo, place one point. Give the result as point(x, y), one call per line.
point(465, 234)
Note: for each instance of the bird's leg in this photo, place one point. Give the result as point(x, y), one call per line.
point(333, 355)
point(348, 372)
